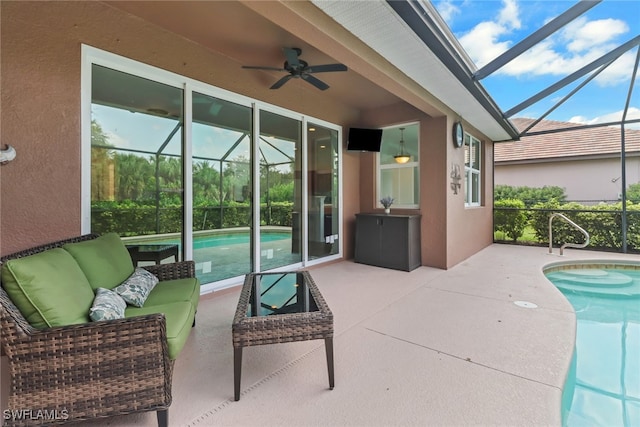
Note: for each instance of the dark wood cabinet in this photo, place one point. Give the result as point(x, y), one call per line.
point(390, 241)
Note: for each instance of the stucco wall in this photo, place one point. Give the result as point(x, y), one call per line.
point(432, 179)
point(450, 231)
point(40, 117)
point(593, 180)
point(469, 229)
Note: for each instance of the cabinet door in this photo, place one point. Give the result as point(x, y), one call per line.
point(367, 240)
point(394, 252)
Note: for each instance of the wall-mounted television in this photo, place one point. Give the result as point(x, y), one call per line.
point(361, 139)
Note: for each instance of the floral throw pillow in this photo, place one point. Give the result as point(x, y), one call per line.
point(107, 305)
point(137, 287)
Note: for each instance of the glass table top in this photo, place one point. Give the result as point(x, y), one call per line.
point(280, 293)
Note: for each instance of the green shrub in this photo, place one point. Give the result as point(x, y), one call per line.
point(602, 222)
point(511, 219)
point(529, 195)
point(633, 193)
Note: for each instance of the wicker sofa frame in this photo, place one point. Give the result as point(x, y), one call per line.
point(87, 371)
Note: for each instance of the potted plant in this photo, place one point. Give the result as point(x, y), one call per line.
point(387, 202)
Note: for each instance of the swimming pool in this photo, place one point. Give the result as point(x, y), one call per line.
point(603, 384)
point(221, 238)
point(222, 254)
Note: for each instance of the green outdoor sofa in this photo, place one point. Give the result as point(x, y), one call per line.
point(71, 356)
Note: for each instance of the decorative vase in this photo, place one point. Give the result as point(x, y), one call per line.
point(387, 210)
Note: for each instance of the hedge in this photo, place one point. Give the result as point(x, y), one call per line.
point(603, 222)
point(135, 219)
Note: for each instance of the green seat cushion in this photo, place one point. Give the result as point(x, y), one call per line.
point(48, 288)
point(105, 260)
point(179, 316)
point(169, 291)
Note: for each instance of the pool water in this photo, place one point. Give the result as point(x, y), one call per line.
point(603, 384)
point(222, 255)
point(224, 239)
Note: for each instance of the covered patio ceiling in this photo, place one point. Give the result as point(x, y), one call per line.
point(396, 51)
point(254, 33)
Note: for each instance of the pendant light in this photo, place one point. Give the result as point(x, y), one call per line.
point(402, 157)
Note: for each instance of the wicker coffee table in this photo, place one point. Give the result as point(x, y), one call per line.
point(278, 308)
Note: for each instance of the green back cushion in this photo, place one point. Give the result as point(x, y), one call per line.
point(48, 288)
point(105, 260)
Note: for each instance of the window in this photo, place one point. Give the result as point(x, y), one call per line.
point(472, 172)
point(399, 180)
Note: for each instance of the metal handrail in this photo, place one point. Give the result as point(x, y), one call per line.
point(570, 245)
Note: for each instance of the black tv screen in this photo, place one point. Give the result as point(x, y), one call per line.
point(361, 139)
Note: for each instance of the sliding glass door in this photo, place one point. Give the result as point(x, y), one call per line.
point(236, 185)
point(322, 190)
point(136, 156)
point(222, 203)
point(280, 148)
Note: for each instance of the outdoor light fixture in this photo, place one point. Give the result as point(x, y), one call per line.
point(402, 157)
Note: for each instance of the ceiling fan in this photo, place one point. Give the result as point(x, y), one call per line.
point(297, 68)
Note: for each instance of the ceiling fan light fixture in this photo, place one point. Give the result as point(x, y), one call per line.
point(297, 68)
point(402, 157)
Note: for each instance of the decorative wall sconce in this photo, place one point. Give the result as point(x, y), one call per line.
point(455, 178)
point(7, 154)
point(402, 157)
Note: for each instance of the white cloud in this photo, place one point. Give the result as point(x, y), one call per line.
point(632, 114)
point(618, 72)
point(509, 15)
point(583, 35)
point(482, 42)
point(447, 10)
point(578, 44)
point(117, 140)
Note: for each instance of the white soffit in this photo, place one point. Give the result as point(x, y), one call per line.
point(377, 25)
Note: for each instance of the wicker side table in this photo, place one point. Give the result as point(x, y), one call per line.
point(278, 308)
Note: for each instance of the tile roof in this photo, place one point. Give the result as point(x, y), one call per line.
point(596, 142)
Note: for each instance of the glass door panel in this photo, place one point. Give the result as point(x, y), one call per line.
point(280, 191)
point(136, 158)
point(222, 216)
point(322, 185)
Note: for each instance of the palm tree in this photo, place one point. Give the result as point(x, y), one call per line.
point(102, 167)
point(132, 176)
point(206, 183)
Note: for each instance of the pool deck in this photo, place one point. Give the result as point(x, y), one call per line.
point(429, 347)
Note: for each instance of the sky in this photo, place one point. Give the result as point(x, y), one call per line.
point(487, 28)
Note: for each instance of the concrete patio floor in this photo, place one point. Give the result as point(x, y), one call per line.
point(429, 347)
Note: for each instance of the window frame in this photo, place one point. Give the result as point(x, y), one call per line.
point(470, 144)
point(415, 165)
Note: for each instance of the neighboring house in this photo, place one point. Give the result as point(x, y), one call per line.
point(585, 162)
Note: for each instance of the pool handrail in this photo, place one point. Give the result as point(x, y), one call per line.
point(566, 245)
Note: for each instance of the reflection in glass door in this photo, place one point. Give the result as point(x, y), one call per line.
point(136, 158)
point(253, 200)
point(280, 191)
point(222, 213)
point(322, 161)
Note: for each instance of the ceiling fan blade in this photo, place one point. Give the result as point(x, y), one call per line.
point(258, 67)
point(315, 81)
point(280, 82)
point(292, 56)
point(326, 68)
